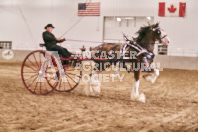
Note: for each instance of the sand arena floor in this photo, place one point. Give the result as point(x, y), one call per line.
point(171, 105)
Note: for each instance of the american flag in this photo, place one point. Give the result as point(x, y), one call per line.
point(89, 9)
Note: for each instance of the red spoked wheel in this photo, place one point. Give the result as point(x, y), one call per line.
point(70, 78)
point(39, 72)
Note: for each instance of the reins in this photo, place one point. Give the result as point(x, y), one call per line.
point(84, 41)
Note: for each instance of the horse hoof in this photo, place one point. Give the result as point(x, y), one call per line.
point(139, 98)
point(147, 77)
point(157, 72)
point(134, 97)
point(142, 98)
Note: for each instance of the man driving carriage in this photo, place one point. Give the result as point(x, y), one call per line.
point(51, 42)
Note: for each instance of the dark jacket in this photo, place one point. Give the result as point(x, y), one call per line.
point(50, 40)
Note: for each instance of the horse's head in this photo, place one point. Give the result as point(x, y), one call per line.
point(147, 37)
point(159, 34)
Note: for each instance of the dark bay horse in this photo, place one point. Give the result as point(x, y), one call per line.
point(137, 51)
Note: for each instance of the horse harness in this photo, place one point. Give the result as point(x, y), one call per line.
point(141, 52)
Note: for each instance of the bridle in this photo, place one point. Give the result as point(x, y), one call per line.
point(158, 30)
point(164, 36)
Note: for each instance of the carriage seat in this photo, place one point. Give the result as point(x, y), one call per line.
point(42, 45)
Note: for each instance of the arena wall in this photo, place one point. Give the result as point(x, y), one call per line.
point(19, 55)
point(171, 62)
point(22, 22)
point(177, 62)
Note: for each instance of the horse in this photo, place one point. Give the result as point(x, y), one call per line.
point(143, 46)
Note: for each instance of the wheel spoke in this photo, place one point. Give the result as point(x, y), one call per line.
point(69, 70)
point(69, 83)
point(32, 63)
point(30, 77)
point(74, 74)
point(40, 88)
point(30, 67)
point(32, 82)
point(45, 87)
point(50, 78)
point(54, 84)
point(64, 86)
point(29, 72)
point(40, 58)
point(70, 78)
point(60, 84)
point(35, 86)
point(36, 60)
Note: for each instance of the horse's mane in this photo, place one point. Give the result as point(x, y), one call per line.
point(143, 30)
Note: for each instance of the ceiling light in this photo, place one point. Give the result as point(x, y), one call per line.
point(118, 19)
point(149, 18)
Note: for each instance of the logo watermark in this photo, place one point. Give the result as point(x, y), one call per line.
point(8, 54)
point(104, 65)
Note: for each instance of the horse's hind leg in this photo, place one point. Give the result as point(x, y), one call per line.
point(135, 91)
point(151, 78)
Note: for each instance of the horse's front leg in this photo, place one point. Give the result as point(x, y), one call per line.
point(151, 78)
point(135, 91)
point(92, 88)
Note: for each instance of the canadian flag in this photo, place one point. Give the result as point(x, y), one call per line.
point(172, 9)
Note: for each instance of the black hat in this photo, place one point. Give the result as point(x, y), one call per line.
point(49, 25)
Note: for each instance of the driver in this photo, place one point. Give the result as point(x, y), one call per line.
point(50, 42)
